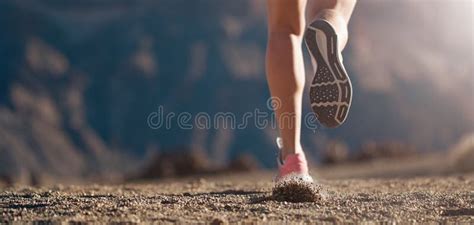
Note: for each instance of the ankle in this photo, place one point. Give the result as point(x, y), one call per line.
point(338, 22)
point(287, 151)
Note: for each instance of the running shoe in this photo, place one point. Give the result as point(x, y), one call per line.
point(331, 89)
point(293, 167)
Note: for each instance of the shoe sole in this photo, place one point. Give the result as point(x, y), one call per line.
point(331, 89)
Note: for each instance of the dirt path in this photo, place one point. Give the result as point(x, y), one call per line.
point(223, 199)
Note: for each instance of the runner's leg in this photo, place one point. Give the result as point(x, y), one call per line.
point(285, 69)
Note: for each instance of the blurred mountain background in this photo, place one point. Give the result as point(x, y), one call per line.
point(78, 80)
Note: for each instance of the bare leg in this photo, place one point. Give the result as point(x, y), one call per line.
point(284, 59)
point(285, 69)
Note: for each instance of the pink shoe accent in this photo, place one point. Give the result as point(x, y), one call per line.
point(294, 163)
point(293, 166)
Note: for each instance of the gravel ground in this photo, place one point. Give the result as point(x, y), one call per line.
point(229, 199)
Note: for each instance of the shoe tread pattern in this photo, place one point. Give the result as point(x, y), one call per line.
point(331, 90)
